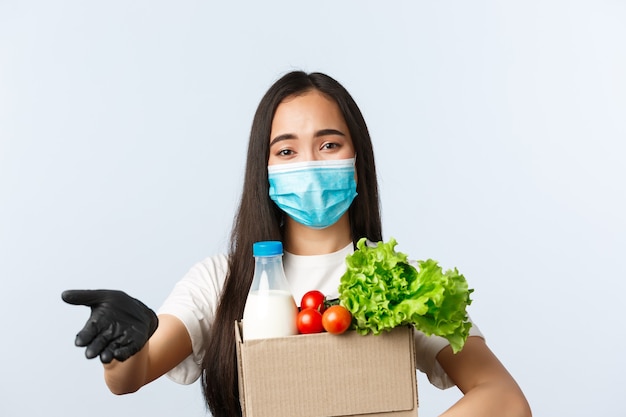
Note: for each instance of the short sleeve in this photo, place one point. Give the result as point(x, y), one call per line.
point(193, 301)
point(426, 350)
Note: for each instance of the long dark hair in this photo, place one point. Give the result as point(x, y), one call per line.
point(258, 218)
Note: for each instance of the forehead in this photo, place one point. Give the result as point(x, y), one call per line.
point(311, 106)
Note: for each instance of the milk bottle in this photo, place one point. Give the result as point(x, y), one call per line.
point(270, 309)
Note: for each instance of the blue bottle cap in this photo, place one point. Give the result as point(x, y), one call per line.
point(267, 248)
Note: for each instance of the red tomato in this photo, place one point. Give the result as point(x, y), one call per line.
point(309, 320)
point(336, 319)
point(313, 299)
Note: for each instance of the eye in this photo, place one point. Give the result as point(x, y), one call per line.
point(284, 152)
point(330, 145)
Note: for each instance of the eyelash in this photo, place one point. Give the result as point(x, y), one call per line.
point(325, 146)
point(284, 152)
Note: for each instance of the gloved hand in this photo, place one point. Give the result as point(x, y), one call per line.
point(119, 325)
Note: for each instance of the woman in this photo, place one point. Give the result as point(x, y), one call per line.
point(303, 118)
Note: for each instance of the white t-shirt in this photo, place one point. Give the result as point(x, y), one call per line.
point(194, 301)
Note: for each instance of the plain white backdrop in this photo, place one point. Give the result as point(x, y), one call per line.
point(499, 130)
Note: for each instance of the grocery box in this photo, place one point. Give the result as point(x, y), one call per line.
point(326, 375)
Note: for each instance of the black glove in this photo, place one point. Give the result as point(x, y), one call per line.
point(119, 325)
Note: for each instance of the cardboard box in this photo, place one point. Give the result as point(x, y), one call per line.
point(325, 375)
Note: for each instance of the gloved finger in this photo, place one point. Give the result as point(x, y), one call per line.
point(98, 323)
point(87, 334)
point(84, 297)
point(106, 356)
point(124, 352)
point(99, 343)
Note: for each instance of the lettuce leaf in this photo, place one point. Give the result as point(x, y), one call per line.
point(383, 290)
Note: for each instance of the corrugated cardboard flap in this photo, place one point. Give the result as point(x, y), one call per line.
point(323, 375)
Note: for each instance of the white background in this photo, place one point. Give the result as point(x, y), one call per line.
point(499, 131)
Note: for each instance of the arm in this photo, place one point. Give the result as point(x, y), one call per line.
point(488, 388)
point(134, 345)
point(169, 345)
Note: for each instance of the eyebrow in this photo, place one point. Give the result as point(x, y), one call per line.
point(319, 133)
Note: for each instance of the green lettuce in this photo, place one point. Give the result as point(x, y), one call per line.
point(383, 290)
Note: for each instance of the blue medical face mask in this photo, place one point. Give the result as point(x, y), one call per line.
point(313, 193)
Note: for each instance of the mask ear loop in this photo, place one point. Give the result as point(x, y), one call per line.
point(281, 222)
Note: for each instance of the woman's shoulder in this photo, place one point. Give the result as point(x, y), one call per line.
point(203, 282)
point(212, 268)
point(220, 259)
